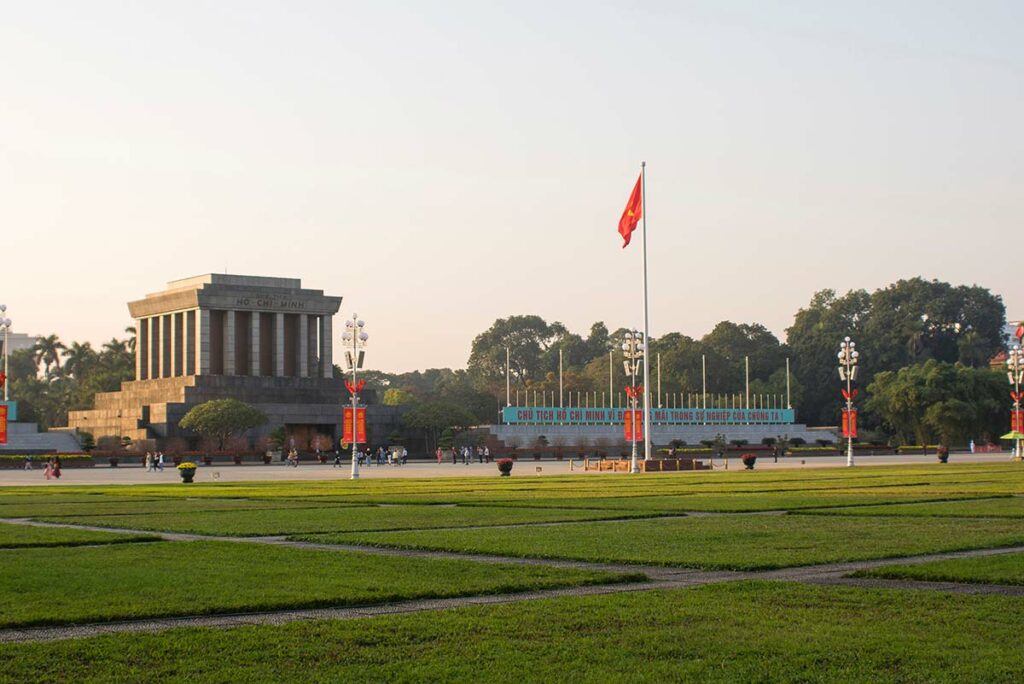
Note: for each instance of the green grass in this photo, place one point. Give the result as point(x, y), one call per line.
point(106, 505)
point(93, 584)
point(743, 542)
point(738, 502)
point(743, 632)
point(1006, 507)
point(23, 536)
point(998, 569)
point(338, 519)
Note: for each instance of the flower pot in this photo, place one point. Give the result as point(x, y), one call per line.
point(237, 459)
point(267, 458)
point(748, 460)
point(505, 467)
point(187, 474)
point(114, 460)
point(207, 460)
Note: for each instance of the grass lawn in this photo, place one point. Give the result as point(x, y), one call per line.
point(339, 519)
point(105, 505)
point(95, 584)
point(742, 542)
point(741, 632)
point(1000, 569)
point(22, 536)
point(1005, 507)
point(737, 502)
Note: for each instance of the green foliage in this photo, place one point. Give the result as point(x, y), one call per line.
point(394, 396)
point(222, 418)
point(1001, 569)
point(434, 417)
point(937, 401)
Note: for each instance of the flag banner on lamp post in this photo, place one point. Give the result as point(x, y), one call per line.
point(360, 426)
point(3, 424)
point(1017, 420)
point(633, 421)
point(850, 423)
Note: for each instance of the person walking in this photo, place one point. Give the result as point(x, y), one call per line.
point(440, 455)
point(487, 455)
point(149, 461)
point(455, 456)
point(160, 461)
point(337, 459)
point(480, 454)
point(48, 469)
point(56, 467)
point(28, 462)
point(405, 455)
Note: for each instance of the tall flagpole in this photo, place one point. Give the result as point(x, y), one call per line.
point(647, 337)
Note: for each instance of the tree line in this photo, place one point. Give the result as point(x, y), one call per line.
point(925, 346)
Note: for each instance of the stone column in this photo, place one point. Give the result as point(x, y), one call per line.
point(254, 343)
point(141, 338)
point(303, 346)
point(173, 332)
point(202, 341)
point(229, 343)
point(154, 347)
point(326, 351)
point(161, 341)
point(312, 326)
point(278, 345)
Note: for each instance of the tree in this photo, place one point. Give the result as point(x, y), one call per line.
point(396, 397)
point(436, 417)
point(47, 350)
point(528, 338)
point(79, 359)
point(938, 401)
point(220, 419)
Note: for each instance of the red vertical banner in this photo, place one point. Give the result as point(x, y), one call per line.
point(3, 423)
point(633, 420)
point(1017, 420)
point(360, 425)
point(850, 423)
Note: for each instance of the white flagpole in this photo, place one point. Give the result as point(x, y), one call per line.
point(561, 401)
point(508, 382)
point(647, 336)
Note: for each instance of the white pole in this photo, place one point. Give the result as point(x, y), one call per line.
point(647, 336)
point(789, 405)
point(561, 398)
point(659, 379)
point(508, 382)
point(746, 372)
point(611, 386)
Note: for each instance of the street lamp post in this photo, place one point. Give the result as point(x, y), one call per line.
point(5, 323)
point(355, 335)
point(1015, 371)
point(848, 356)
point(633, 349)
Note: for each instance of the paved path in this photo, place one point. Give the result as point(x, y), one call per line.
point(660, 577)
point(229, 472)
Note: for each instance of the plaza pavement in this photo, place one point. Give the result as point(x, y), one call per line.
point(229, 472)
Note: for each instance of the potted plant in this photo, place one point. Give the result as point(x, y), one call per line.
point(177, 459)
point(114, 460)
point(505, 466)
point(237, 458)
point(943, 453)
point(268, 456)
point(749, 460)
point(187, 470)
point(207, 460)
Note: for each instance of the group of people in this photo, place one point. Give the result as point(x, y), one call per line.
point(51, 469)
point(154, 462)
point(482, 453)
point(382, 456)
point(292, 459)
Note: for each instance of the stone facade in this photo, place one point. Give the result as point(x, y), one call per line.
point(265, 341)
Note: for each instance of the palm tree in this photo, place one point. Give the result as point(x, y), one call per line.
point(132, 336)
point(47, 350)
point(78, 358)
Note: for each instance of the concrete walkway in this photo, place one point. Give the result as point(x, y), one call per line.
point(229, 472)
point(660, 577)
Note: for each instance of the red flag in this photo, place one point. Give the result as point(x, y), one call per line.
point(632, 213)
point(1020, 331)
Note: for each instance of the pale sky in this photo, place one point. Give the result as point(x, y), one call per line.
point(440, 165)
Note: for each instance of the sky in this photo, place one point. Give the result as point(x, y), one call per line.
point(441, 165)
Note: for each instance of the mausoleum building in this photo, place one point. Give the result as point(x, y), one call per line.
point(265, 341)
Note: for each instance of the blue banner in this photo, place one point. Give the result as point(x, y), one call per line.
point(12, 410)
point(519, 415)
